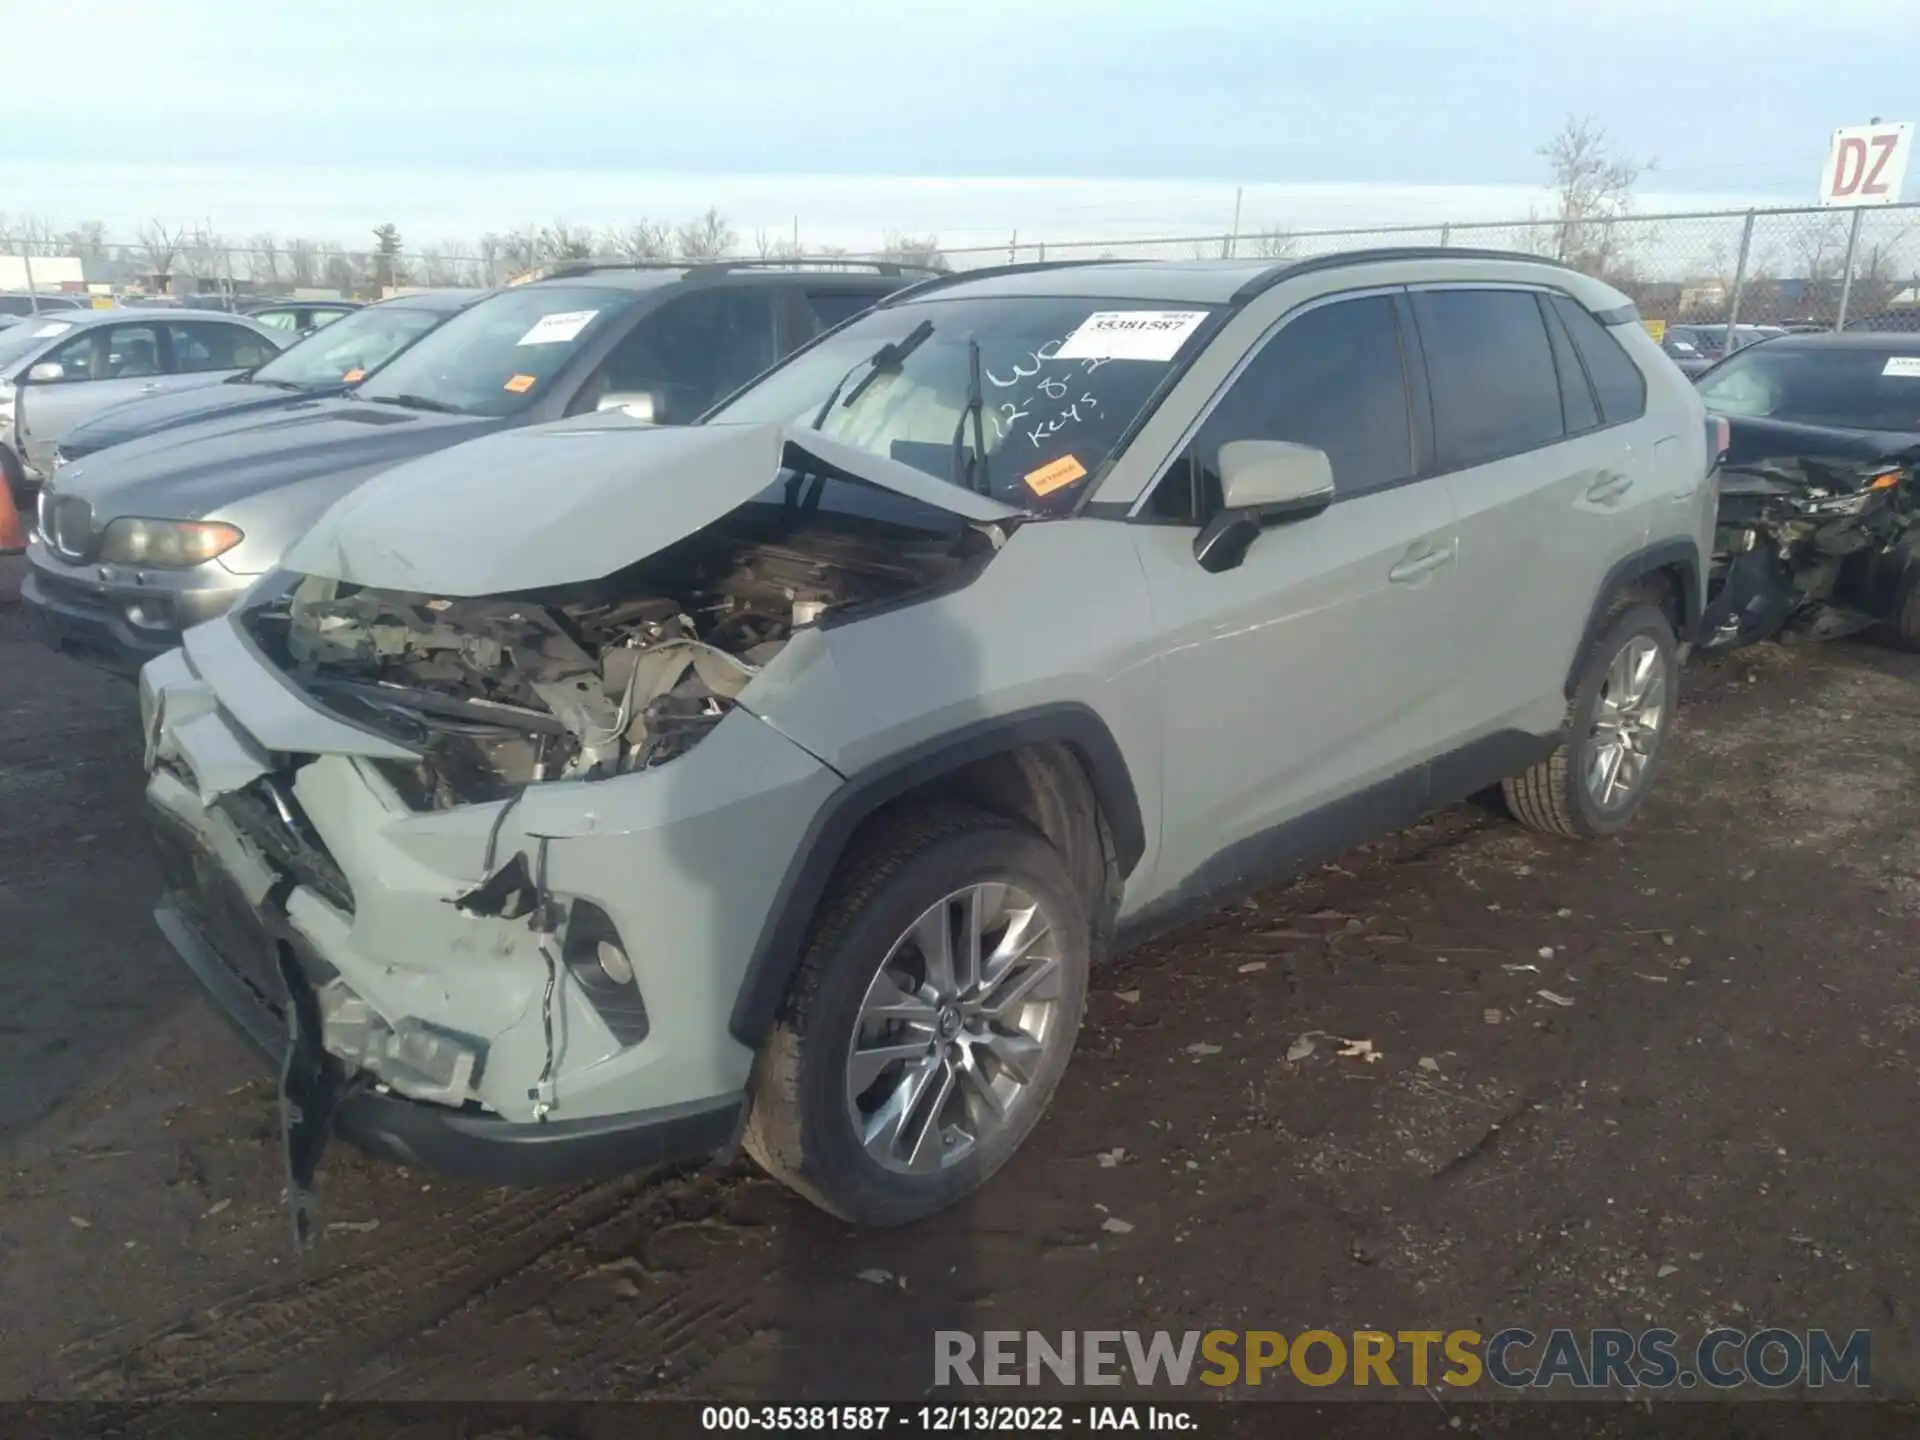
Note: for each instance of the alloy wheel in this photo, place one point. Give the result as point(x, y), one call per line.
point(955, 1027)
point(1627, 723)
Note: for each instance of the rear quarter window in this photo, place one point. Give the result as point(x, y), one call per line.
point(1617, 381)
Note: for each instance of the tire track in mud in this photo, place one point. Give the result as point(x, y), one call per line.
point(288, 1337)
point(621, 1314)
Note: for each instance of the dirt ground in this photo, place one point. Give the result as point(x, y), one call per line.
point(1712, 1123)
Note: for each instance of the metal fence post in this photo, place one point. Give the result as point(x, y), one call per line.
point(1739, 283)
point(1445, 232)
point(1846, 278)
point(26, 260)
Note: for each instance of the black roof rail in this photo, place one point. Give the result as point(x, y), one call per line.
point(943, 278)
point(1338, 259)
point(571, 269)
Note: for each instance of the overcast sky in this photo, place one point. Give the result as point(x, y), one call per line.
point(1733, 97)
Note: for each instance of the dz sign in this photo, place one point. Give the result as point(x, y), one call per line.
point(1866, 164)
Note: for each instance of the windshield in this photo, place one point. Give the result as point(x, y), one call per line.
point(348, 348)
point(1060, 381)
point(502, 353)
point(31, 334)
point(1845, 389)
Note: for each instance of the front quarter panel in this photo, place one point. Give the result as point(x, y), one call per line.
point(1058, 617)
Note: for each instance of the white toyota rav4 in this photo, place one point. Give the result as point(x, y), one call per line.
point(598, 794)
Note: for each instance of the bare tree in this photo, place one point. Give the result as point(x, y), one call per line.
point(263, 260)
point(88, 240)
point(159, 248)
point(706, 237)
point(303, 262)
point(31, 234)
point(1273, 243)
point(642, 240)
point(565, 241)
point(1593, 192)
point(203, 254)
point(520, 249)
point(769, 246)
point(438, 268)
point(918, 250)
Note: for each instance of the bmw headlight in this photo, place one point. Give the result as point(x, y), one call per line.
point(168, 544)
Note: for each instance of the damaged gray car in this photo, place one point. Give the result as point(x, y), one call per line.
point(596, 794)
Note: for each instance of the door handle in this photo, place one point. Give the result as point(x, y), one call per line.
point(1609, 487)
point(1420, 562)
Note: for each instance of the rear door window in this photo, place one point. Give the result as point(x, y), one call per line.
point(695, 351)
point(1577, 405)
point(1491, 374)
point(834, 307)
point(1617, 381)
point(208, 345)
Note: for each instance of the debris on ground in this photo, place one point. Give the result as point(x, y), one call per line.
point(1114, 1225)
point(79, 1223)
point(1521, 969)
point(1127, 997)
point(1203, 1049)
point(1545, 952)
point(1359, 1050)
point(1491, 1016)
point(1429, 1064)
point(1252, 965)
point(1553, 999)
point(1110, 1158)
point(1665, 1270)
point(876, 1277)
point(355, 1227)
point(215, 1208)
point(1300, 1049)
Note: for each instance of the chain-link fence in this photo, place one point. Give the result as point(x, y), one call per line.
point(1811, 267)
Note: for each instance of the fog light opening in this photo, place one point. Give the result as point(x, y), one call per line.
point(598, 961)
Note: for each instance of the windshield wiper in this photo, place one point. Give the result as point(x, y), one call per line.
point(887, 358)
point(279, 384)
point(971, 473)
point(416, 402)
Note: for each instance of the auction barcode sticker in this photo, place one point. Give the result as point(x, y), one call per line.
point(1130, 335)
point(558, 327)
point(1902, 365)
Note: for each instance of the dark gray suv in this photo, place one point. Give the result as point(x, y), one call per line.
point(140, 541)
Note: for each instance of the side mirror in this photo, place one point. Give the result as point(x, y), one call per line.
point(46, 372)
point(642, 405)
point(1262, 482)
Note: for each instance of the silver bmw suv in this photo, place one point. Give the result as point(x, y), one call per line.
point(598, 794)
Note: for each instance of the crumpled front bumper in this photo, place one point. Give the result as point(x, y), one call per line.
point(360, 894)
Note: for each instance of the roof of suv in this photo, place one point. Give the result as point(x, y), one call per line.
point(1200, 282)
point(651, 274)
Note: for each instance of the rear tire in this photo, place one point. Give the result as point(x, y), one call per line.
point(1593, 785)
point(884, 1093)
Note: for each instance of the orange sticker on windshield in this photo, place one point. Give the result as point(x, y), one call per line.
point(353, 375)
point(1049, 478)
point(520, 384)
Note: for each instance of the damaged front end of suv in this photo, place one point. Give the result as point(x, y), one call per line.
point(451, 814)
point(1805, 548)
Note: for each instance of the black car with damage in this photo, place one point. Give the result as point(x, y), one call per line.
point(1819, 489)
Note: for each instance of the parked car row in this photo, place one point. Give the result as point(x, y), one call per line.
point(663, 708)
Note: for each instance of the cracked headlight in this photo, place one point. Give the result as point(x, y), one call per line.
point(169, 544)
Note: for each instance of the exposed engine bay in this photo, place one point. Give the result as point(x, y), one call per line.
point(1799, 547)
point(595, 679)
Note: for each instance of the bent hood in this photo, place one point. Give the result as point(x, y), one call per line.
point(149, 415)
point(196, 471)
point(577, 500)
point(1754, 439)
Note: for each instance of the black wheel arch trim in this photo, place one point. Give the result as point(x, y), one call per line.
point(783, 936)
point(1682, 554)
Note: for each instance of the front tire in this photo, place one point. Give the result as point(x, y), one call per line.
point(930, 1021)
point(1593, 785)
